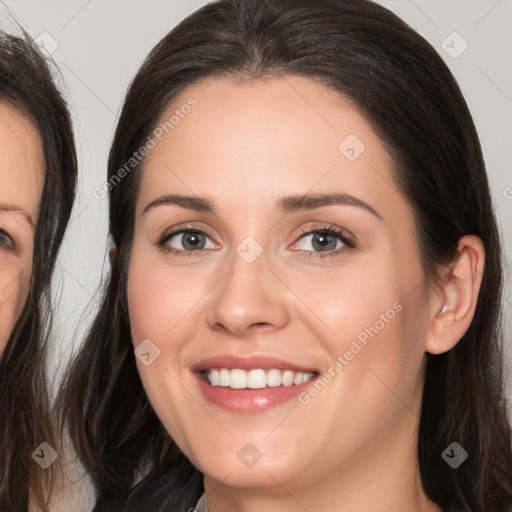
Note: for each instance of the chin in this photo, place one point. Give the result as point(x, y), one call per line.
point(244, 463)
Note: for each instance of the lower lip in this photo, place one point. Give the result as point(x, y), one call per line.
point(250, 401)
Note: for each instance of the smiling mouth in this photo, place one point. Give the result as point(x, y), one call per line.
point(258, 378)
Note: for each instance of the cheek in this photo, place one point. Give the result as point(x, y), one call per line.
point(160, 301)
point(355, 302)
point(13, 295)
point(372, 319)
point(164, 308)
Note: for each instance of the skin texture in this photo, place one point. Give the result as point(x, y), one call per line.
point(353, 446)
point(21, 173)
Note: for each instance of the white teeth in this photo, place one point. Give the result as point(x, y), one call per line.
point(256, 379)
point(287, 378)
point(214, 377)
point(274, 378)
point(238, 379)
point(224, 377)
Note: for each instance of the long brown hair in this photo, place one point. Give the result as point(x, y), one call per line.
point(407, 93)
point(27, 84)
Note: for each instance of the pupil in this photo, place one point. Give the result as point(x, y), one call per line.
point(322, 241)
point(192, 241)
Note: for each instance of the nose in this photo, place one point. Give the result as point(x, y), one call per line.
point(250, 298)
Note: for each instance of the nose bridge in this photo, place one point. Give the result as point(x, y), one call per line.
point(247, 297)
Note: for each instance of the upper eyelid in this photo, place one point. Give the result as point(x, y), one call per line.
point(184, 229)
point(347, 239)
point(23, 222)
point(337, 230)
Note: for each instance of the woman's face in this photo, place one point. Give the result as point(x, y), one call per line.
point(270, 244)
point(21, 176)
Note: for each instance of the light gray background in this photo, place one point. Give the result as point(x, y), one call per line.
point(101, 44)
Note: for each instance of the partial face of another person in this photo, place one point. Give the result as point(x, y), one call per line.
point(21, 179)
point(275, 288)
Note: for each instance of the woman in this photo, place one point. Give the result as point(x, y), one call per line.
point(37, 185)
point(304, 303)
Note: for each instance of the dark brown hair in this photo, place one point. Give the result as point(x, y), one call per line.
point(403, 88)
point(26, 83)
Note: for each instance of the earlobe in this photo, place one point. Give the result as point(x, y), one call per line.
point(454, 308)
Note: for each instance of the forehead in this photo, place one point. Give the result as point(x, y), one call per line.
point(250, 141)
point(21, 160)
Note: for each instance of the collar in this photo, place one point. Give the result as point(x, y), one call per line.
point(202, 505)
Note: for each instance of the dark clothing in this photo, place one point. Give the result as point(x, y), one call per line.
point(147, 497)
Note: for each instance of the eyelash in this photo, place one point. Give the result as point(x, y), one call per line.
point(348, 241)
point(6, 240)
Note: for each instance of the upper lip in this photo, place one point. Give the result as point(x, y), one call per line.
point(248, 363)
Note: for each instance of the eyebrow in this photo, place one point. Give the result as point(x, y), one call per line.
point(285, 204)
point(16, 209)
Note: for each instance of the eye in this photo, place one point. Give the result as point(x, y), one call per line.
point(320, 242)
point(6, 240)
point(325, 241)
point(186, 240)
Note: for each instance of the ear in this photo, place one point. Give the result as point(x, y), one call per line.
point(460, 285)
